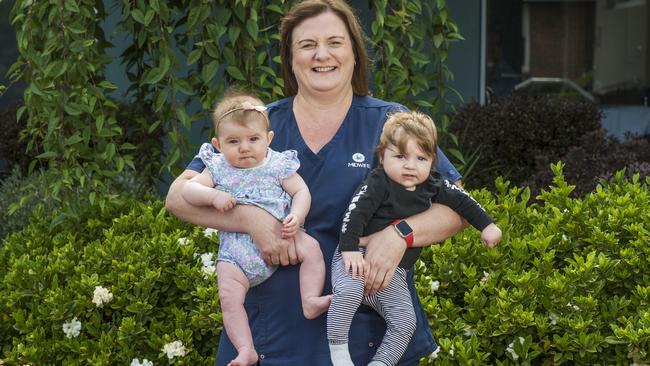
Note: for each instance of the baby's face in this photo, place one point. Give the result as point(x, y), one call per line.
point(407, 168)
point(243, 146)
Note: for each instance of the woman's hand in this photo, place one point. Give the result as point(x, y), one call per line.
point(384, 251)
point(353, 263)
point(266, 232)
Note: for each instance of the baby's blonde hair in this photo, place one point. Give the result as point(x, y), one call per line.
point(231, 108)
point(402, 126)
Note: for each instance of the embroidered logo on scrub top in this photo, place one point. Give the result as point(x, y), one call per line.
point(358, 159)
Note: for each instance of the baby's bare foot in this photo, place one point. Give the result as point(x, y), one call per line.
point(246, 357)
point(316, 305)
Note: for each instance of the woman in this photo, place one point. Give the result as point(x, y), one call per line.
point(332, 123)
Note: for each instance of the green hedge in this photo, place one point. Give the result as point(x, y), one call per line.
point(570, 284)
point(149, 261)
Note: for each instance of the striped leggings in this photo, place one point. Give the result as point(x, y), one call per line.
point(393, 304)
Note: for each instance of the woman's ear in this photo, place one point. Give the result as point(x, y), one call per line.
point(215, 143)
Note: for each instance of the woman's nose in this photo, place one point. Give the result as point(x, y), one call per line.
point(322, 52)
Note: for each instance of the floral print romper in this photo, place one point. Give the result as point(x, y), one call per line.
point(260, 186)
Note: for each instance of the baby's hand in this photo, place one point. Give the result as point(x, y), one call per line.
point(353, 261)
point(223, 201)
point(491, 235)
point(290, 226)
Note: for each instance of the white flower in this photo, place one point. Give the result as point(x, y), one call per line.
point(208, 271)
point(101, 296)
point(207, 259)
point(175, 349)
point(72, 328)
point(553, 317)
point(571, 305)
point(565, 210)
point(486, 276)
point(208, 232)
point(435, 285)
point(514, 354)
point(434, 354)
point(145, 362)
point(522, 340)
point(564, 237)
point(183, 241)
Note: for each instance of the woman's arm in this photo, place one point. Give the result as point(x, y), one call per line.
point(264, 229)
point(385, 249)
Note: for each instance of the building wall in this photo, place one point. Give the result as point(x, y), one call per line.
point(561, 38)
point(621, 55)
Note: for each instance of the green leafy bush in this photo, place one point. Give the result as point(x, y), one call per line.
point(511, 134)
point(569, 284)
point(21, 194)
point(155, 289)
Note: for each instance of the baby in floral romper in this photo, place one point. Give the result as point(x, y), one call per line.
point(247, 171)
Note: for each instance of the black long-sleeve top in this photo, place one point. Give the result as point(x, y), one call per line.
point(379, 201)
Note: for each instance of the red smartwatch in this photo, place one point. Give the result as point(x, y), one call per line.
point(404, 230)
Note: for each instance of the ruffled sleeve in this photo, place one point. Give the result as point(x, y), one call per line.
point(289, 163)
point(210, 158)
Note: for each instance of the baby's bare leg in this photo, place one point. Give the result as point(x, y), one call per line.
point(233, 286)
point(312, 276)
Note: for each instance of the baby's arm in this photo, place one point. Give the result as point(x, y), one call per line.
point(461, 202)
point(199, 191)
point(301, 201)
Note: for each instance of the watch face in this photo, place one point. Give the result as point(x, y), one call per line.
point(403, 228)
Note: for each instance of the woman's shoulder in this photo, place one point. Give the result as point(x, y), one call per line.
point(285, 103)
point(372, 102)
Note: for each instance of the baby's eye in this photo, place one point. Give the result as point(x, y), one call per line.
point(423, 158)
point(399, 156)
point(255, 138)
point(231, 141)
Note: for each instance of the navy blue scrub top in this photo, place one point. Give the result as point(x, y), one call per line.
point(282, 335)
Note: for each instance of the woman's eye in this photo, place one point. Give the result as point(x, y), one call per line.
point(308, 46)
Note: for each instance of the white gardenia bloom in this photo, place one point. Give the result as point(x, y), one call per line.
point(553, 317)
point(208, 232)
point(174, 349)
point(209, 270)
point(514, 354)
point(435, 285)
point(145, 362)
point(101, 296)
point(207, 259)
point(72, 328)
point(183, 241)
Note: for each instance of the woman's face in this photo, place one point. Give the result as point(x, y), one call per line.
point(322, 56)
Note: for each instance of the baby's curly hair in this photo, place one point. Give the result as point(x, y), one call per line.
point(402, 126)
point(229, 108)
